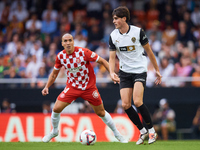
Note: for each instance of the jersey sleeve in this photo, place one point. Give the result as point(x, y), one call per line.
point(57, 65)
point(91, 56)
point(111, 45)
point(143, 38)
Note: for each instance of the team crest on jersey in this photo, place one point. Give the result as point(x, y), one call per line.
point(95, 94)
point(78, 60)
point(133, 39)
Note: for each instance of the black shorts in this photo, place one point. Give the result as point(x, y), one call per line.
point(127, 80)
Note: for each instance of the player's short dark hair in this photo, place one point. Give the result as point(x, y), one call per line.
point(122, 11)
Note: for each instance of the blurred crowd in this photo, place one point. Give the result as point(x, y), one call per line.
point(31, 31)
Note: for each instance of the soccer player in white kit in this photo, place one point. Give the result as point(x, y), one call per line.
point(128, 42)
point(81, 82)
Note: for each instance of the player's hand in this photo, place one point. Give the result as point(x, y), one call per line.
point(115, 78)
point(45, 91)
point(158, 78)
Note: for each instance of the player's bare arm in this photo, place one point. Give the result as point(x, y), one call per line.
point(153, 61)
point(51, 80)
point(113, 75)
point(103, 62)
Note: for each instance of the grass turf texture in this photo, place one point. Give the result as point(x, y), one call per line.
point(159, 145)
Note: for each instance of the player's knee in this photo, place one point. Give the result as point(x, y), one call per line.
point(101, 113)
point(126, 106)
point(57, 110)
point(138, 103)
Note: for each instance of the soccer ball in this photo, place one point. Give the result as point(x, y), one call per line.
point(88, 137)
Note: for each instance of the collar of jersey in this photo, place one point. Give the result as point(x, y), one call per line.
point(126, 32)
point(71, 53)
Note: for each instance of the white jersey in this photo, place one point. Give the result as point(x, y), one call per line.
point(129, 50)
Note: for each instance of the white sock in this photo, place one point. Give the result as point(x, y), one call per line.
point(152, 130)
point(55, 118)
point(143, 130)
point(107, 119)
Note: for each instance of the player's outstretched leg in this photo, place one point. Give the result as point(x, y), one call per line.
point(55, 117)
point(107, 119)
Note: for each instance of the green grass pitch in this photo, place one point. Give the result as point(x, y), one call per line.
point(159, 145)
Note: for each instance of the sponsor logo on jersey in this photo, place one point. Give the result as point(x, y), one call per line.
point(127, 48)
point(74, 70)
point(133, 39)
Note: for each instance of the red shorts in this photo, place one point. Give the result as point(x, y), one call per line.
point(70, 94)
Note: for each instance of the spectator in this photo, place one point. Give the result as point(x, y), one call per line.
point(86, 108)
point(166, 69)
point(33, 25)
point(7, 107)
point(12, 46)
point(49, 26)
point(196, 124)
point(152, 14)
point(80, 29)
point(168, 20)
point(188, 21)
point(53, 51)
point(37, 50)
point(65, 22)
point(46, 42)
point(50, 13)
point(4, 14)
point(29, 43)
point(46, 107)
point(32, 69)
point(103, 50)
point(155, 29)
point(119, 109)
point(169, 35)
point(185, 36)
point(94, 37)
point(14, 27)
point(20, 13)
point(65, 11)
point(94, 8)
point(154, 43)
point(107, 25)
point(196, 74)
point(183, 69)
point(79, 40)
point(15, 3)
point(164, 119)
point(195, 16)
point(42, 73)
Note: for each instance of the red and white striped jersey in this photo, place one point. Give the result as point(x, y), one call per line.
point(80, 73)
